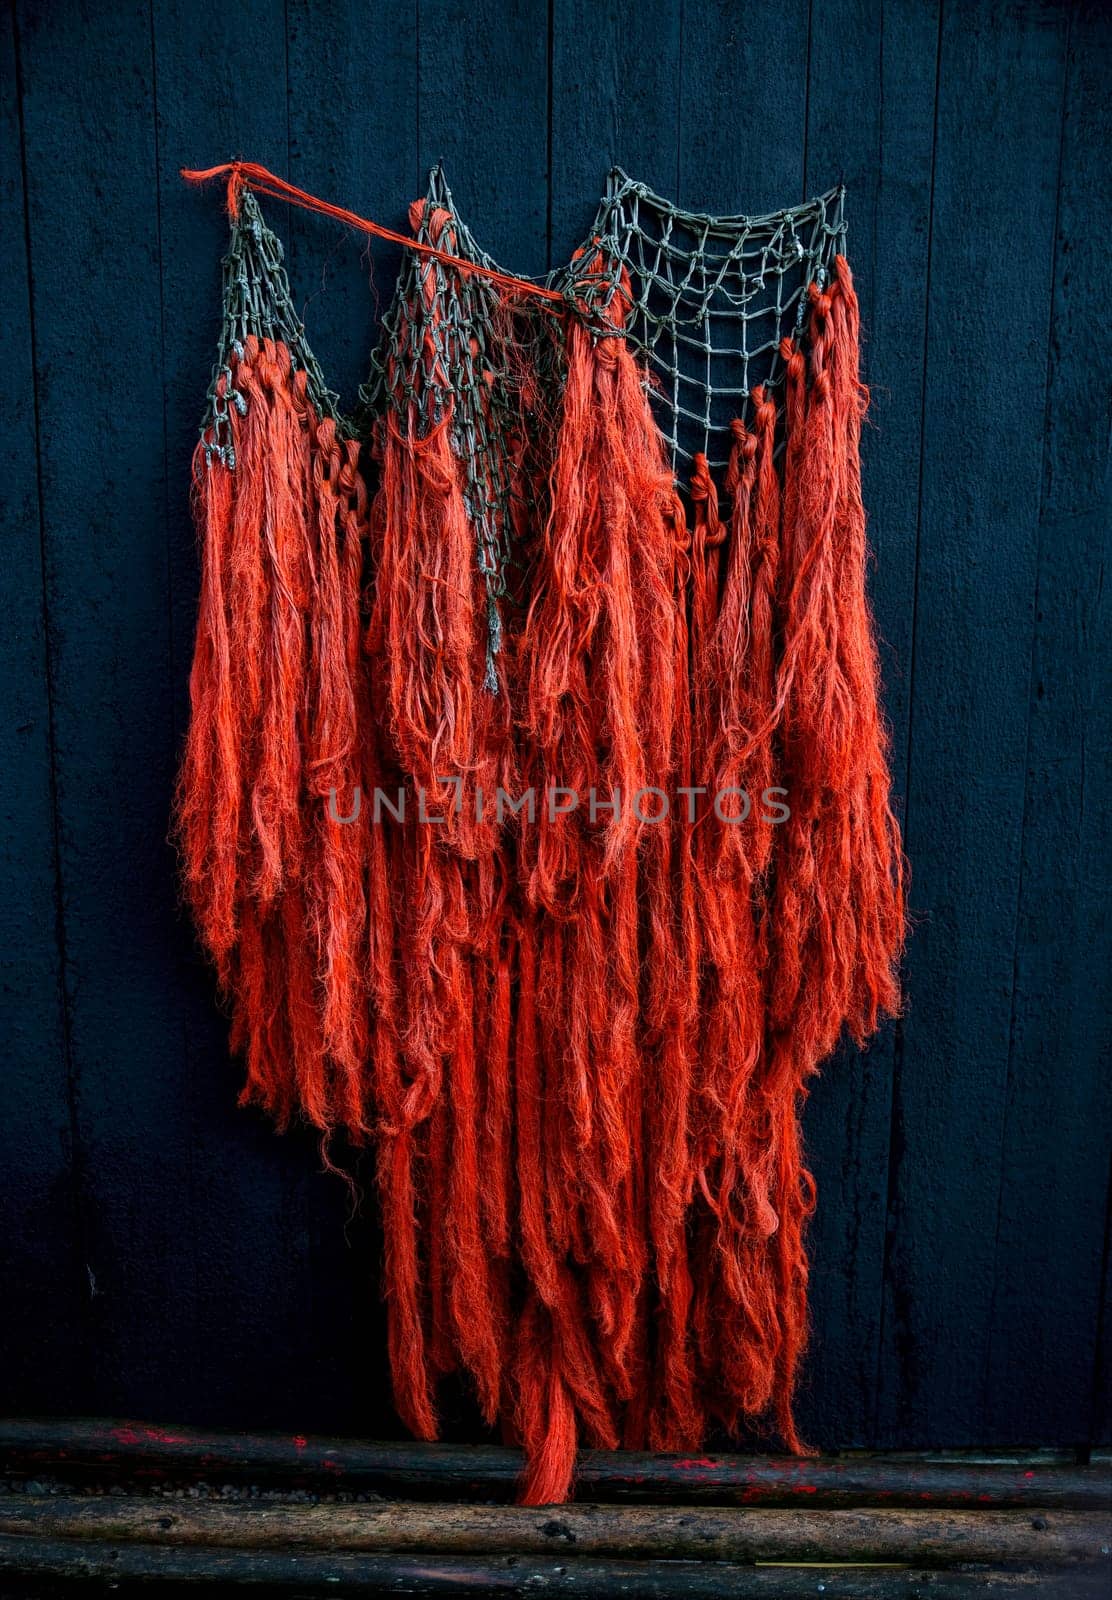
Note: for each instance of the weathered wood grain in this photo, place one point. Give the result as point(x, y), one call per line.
point(447, 1471)
point(88, 115)
point(924, 1538)
point(219, 77)
point(744, 89)
point(353, 115)
point(988, 285)
point(872, 80)
point(41, 1268)
point(312, 1572)
point(1057, 1131)
point(482, 95)
point(616, 101)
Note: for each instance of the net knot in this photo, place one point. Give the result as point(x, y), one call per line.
point(820, 301)
point(745, 440)
point(764, 409)
point(236, 185)
point(704, 493)
point(441, 230)
point(701, 486)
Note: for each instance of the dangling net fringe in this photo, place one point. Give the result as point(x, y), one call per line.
point(580, 1041)
point(277, 890)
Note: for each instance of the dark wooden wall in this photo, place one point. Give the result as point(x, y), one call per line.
point(164, 1254)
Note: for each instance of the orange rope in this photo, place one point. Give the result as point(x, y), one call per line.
point(242, 174)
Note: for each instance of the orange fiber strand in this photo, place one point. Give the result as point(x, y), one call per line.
point(731, 1031)
point(210, 784)
point(276, 885)
point(597, 710)
point(837, 915)
point(274, 469)
point(399, 1094)
point(442, 1079)
point(671, 1418)
point(428, 631)
point(334, 770)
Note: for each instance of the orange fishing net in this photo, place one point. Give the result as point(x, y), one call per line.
point(535, 804)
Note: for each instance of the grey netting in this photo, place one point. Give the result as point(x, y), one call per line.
point(452, 344)
point(257, 301)
point(435, 347)
point(706, 301)
point(710, 298)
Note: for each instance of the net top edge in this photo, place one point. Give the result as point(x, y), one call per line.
point(620, 184)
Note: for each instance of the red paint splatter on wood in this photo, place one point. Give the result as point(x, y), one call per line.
point(126, 1434)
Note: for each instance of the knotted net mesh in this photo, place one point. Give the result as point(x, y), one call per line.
point(454, 344)
point(257, 301)
point(707, 300)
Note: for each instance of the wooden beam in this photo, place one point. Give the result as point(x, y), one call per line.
point(317, 1572)
point(463, 1472)
point(925, 1538)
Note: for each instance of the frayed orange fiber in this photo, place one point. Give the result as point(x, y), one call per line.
point(277, 892)
point(577, 1034)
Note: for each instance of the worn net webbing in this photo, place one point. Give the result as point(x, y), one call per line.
point(709, 299)
point(706, 302)
point(451, 342)
point(257, 301)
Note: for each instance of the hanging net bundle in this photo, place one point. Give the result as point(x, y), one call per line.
point(277, 890)
point(535, 805)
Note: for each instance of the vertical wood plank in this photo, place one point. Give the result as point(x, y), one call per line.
point(482, 88)
point(996, 169)
point(847, 1120)
point(1100, 1426)
point(94, 244)
point(1058, 1123)
point(616, 101)
point(41, 1266)
point(871, 107)
point(743, 106)
point(352, 79)
point(220, 75)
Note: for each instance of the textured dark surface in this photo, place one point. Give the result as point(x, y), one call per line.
point(39, 1455)
point(164, 1253)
